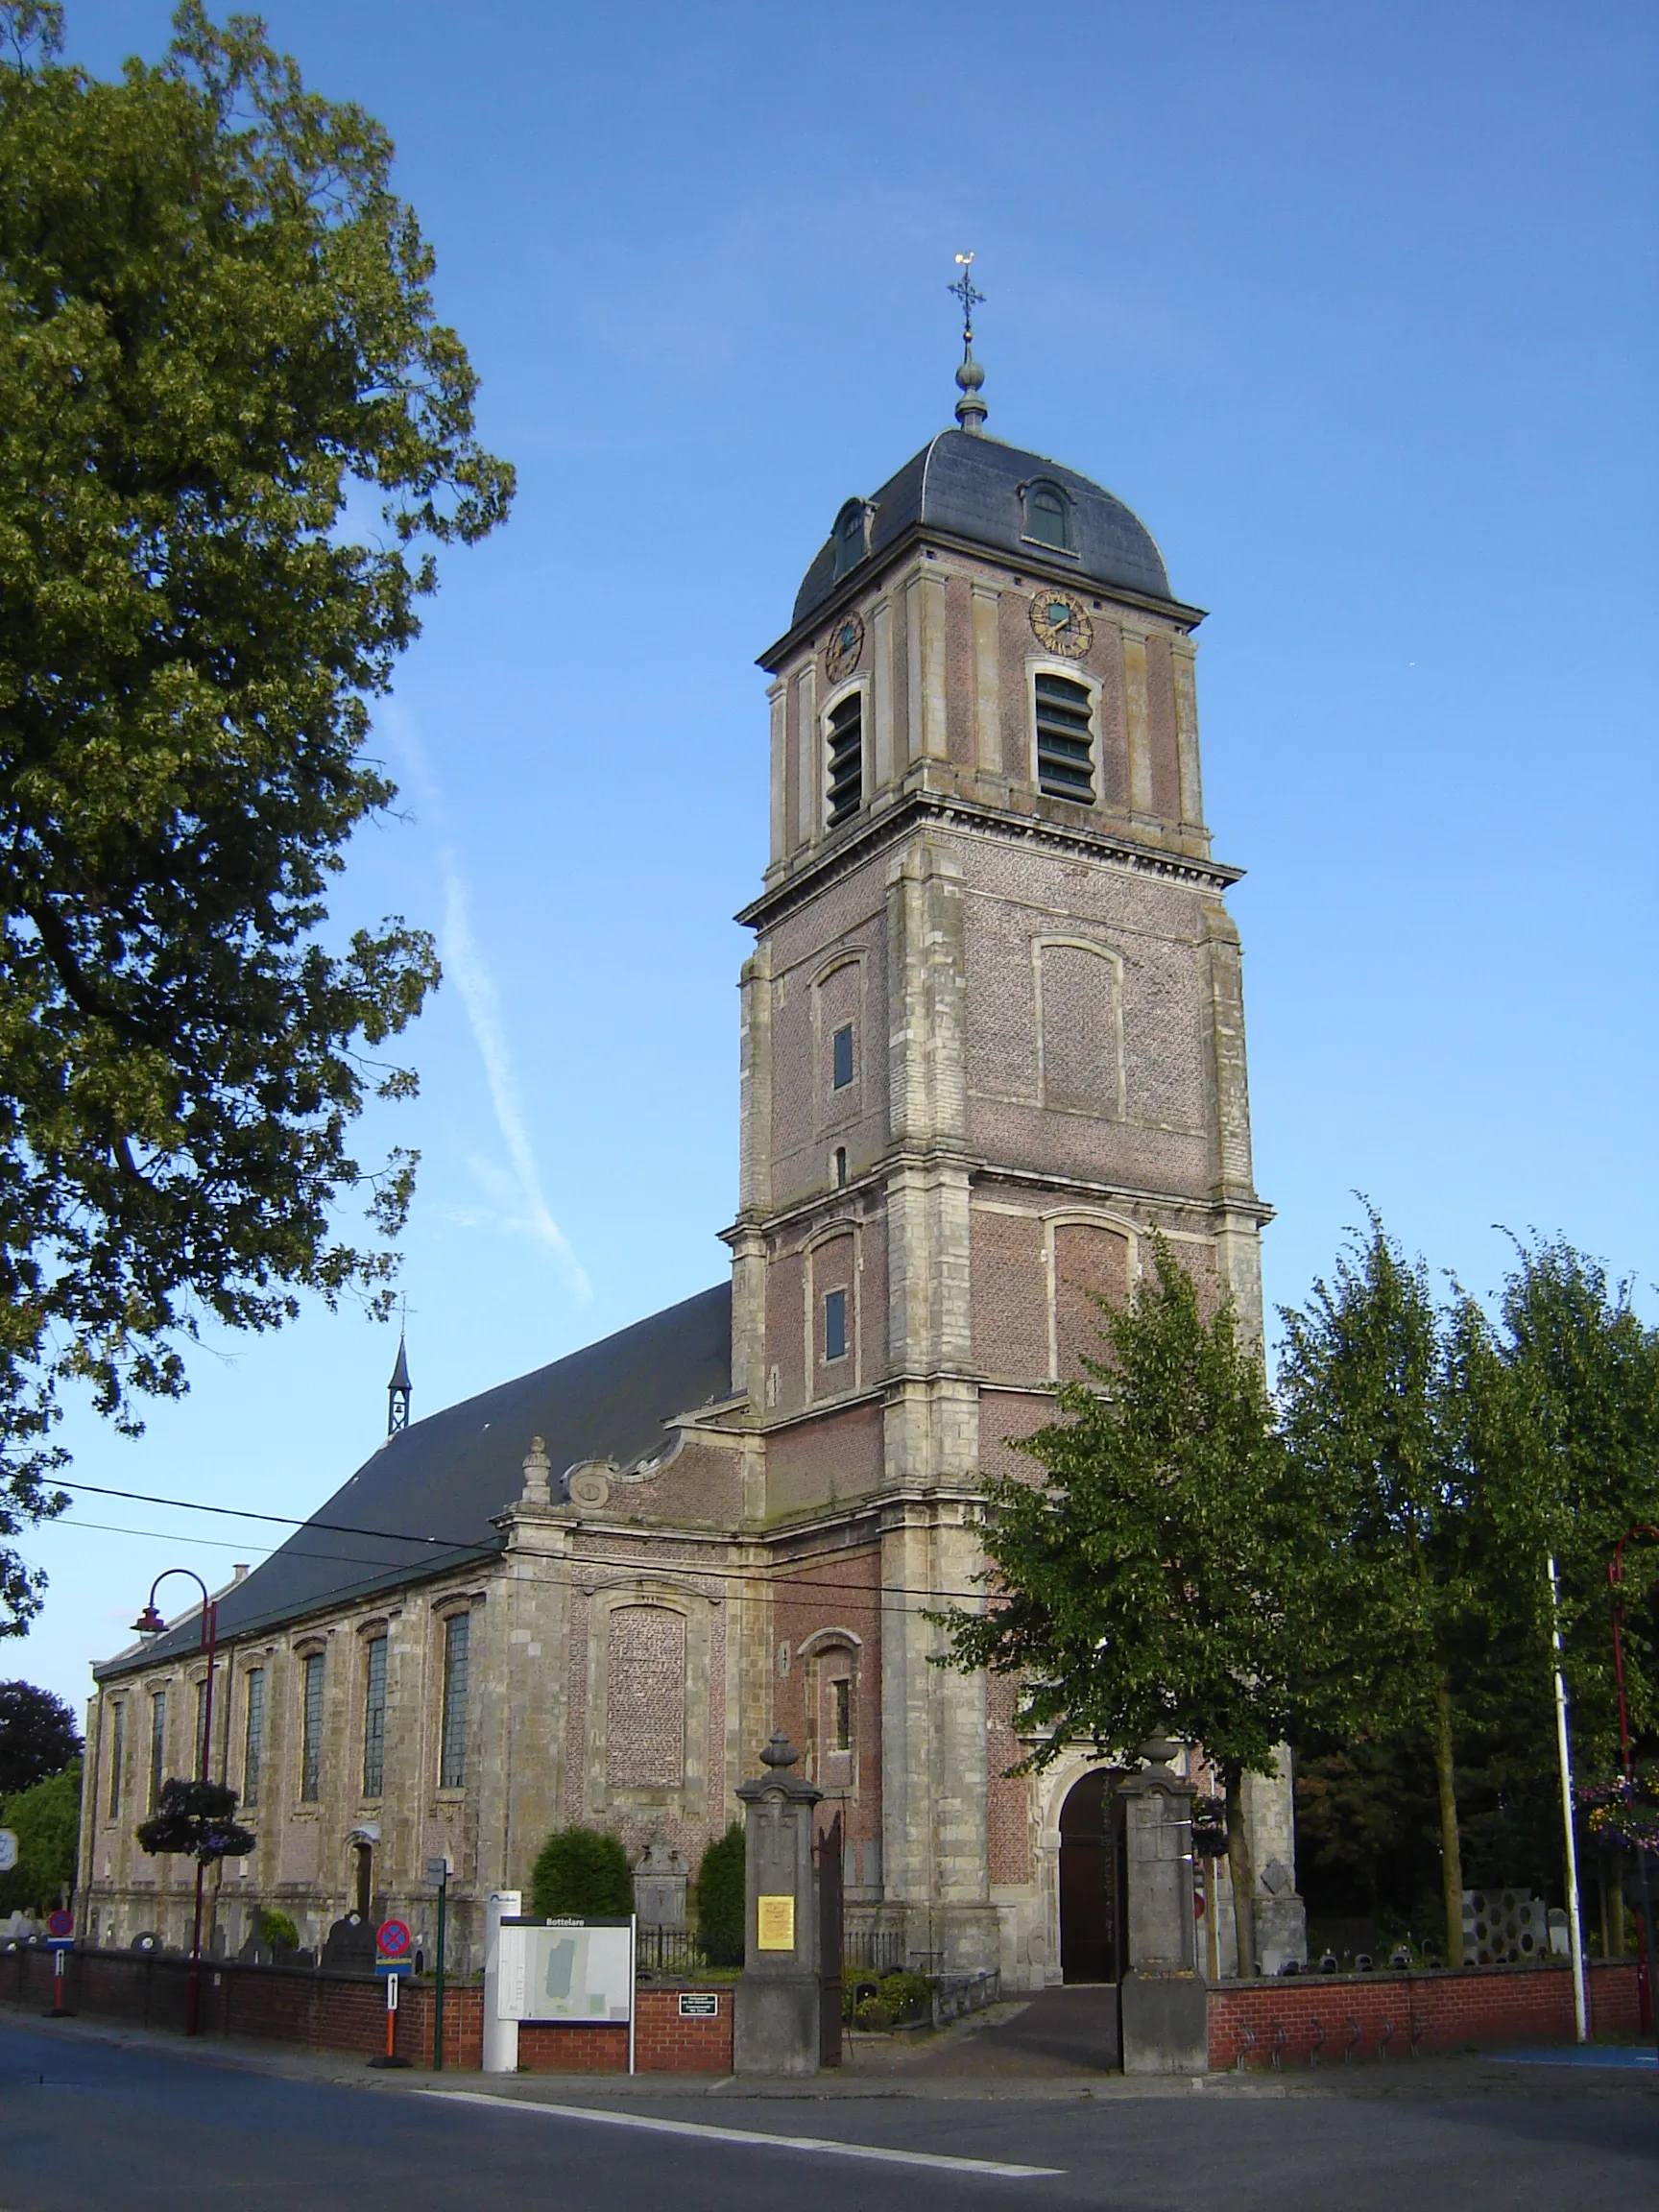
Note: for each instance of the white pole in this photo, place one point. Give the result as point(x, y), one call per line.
point(632, 1981)
point(1575, 1929)
point(500, 2037)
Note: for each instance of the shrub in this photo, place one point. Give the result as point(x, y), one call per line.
point(582, 1874)
point(277, 1932)
point(47, 1822)
point(871, 2014)
point(905, 1996)
point(720, 1899)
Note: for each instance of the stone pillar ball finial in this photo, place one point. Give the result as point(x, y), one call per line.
point(538, 1470)
point(780, 1751)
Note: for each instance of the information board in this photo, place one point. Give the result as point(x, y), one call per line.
point(570, 1970)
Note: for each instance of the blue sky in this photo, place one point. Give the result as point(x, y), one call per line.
point(1354, 305)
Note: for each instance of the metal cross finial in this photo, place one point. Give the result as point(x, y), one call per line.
point(964, 290)
point(971, 409)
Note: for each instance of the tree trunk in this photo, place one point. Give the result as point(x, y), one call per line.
point(1451, 1847)
point(1243, 1871)
point(1612, 1908)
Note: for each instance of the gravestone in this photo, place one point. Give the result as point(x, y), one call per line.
point(660, 1888)
point(1164, 2004)
point(349, 1947)
point(775, 2027)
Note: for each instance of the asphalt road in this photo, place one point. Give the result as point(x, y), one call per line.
point(94, 2124)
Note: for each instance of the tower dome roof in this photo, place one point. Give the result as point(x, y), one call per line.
point(974, 488)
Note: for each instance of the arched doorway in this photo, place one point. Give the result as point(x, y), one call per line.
point(1088, 1881)
point(363, 1872)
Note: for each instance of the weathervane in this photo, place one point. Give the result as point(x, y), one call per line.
point(971, 409)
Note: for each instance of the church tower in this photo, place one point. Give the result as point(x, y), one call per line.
point(993, 1035)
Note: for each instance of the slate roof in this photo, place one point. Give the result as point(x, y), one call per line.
point(966, 486)
point(446, 1476)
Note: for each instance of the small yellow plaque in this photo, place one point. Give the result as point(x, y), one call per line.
point(775, 1928)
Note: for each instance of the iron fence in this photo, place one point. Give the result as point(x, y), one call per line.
point(670, 1951)
point(869, 1950)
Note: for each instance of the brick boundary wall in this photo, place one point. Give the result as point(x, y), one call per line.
point(1483, 2004)
point(1479, 2004)
point(348, 2012)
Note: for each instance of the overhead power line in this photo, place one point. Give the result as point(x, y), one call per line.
point(785, 1579)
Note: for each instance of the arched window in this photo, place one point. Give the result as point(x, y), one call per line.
point(1047, 516)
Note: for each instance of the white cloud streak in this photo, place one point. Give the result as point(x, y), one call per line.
point(464, 966)
point(520, 1193)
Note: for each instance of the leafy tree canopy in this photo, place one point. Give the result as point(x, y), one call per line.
point(38, 1736)
point(46, 1821)
point(235, 431)
point(1149, 1583)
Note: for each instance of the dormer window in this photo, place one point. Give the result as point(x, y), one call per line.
point(1048, 515)
point(1065, 740)
point(851, 536)
point(845, 758)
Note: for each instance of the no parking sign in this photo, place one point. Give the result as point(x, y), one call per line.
point(394, 1952)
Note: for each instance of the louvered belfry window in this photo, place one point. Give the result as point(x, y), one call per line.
point(1065, 740)
point(847, 759)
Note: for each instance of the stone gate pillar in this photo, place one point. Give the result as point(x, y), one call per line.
point(776, 2024)
point(1165, 2001)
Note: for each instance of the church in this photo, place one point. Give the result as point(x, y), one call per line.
point(992, 1037)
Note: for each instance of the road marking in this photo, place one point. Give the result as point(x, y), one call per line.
point(821, 2142)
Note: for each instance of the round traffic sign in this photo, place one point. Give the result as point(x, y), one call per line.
point(392, 1939)
point(60, 1923)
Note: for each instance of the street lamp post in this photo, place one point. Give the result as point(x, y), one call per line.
point(151, 1623)
point(1616, 1603)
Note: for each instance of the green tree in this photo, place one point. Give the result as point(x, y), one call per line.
point(1565, 1436)
point(583, 1873)
point(1461, 1451)
point(722, 1874)
point(234, 433)
point(1372, 1392)
point(46, 1821)
point(1148, 1584)
point(38, 1736)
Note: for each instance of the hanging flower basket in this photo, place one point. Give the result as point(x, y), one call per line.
point(1623, 1814)
point(196, 1819)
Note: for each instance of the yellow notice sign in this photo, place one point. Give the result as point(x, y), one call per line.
point(775, 1928)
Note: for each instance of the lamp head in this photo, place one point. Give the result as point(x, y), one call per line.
point(149, 1622)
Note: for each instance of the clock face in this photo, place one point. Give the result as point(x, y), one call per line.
point(846, 646)
point(1061, 624)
